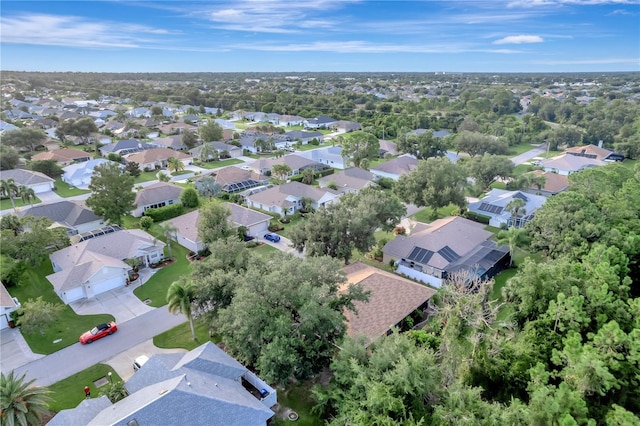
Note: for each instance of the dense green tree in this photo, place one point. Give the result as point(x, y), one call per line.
point(189, 198)
point(300, 320)
point(422, 146)
point(21, 402)
point(436, 183)
point(180, 296)
point(9, 190)
point(35, 315)
point(214, 222)
point(281, 172)
point(9, 157)
point(210, 131)
point(112, 193)
point(208, 187)
point(11, 271)
point(34, 242)
point(359, 145)
point(487, 168)
point(27, 194)
point(308, 176)
point(26, 138)
point(48, 167)
point(474, 143)
point(132, 168)
point(81, 128)
point(189, 139)
point(511, 238)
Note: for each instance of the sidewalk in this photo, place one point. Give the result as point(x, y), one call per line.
point(14, 350)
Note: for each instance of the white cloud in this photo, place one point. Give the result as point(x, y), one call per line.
point(519, 39)
point(535, 3)
point(73, 31)
point(589, 61)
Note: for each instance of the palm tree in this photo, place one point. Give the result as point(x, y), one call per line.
point(308, 175)
point(511, 237)
point(175, 165)
point(20, 402)
point(516, 206)
point(27, 194)
point(179, 298)
point(206, 151)
point(169, 233)
point(281, 171)
point(9, 189)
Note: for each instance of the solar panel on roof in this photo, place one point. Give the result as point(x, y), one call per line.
point(521, 196)
point(420, 255)
point(448, 254)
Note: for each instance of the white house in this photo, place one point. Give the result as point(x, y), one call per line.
point(97, 265)
point(80, 174)
point(159, 194)
point(73, 215)
point(37, 181)
point(494, 205)
point(287, 199)
point(8, 304)
point(566, 164)
point(331, 156)
point(395, 168)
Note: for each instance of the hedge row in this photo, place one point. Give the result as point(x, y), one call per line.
point(165, 213)
point(477, 217)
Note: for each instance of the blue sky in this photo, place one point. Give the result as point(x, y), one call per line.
point(321, 35)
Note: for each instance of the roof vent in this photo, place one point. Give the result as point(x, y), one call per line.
point(163, 391)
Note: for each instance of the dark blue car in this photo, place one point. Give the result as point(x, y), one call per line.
point(272, 237)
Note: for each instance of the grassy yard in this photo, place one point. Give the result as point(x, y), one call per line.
point(5, 203)
point(68, 327)
point(68, 393)
point(299, 399)
point(181, 172)
point(520, 149)
point(65, 190)
point(156, 288)
point(180, 336)
point(426, 215)
point(521, 169)
point(146, 177)
point(309, 147)
point(294, 220)
point(264, 250)
point(221, 163)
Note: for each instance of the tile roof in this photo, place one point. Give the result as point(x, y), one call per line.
point(157, 154)
point(187, 225)
point(553, 182)
point(391, 299)
point(599, 153)
point(242, 216)
point(279, 195)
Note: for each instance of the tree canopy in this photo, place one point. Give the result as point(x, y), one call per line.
point(112, 193)
point(214, 222)
point(358, 146)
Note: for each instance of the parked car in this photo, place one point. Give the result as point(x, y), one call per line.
point(249, 238)
point(139, 362)
point(98, 332)
point(272, 237)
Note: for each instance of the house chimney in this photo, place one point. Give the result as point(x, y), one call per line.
point(600, 143)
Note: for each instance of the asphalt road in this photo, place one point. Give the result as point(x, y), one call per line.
point(526, 156)
point(73, 359)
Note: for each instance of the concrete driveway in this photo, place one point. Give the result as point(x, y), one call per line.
point(123, 362)
point(121, 303)
point(14, 351)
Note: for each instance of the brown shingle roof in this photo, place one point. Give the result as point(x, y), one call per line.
point(391, 299)
point(553, 182)
point(64, 154)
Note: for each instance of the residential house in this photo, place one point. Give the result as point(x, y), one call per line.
point(494, 205)
point(202, 386)
point(349, 180)
point(8, 304)
point(565, 164)
point(554, 183)
point(125, 146)
point(251, 141)
point(37, 181)
point(286, 199)
point(296, 162)
point(331, 156)
point(290, 120)
point(79, 174)
point(594, 152)
point(304, 137)
point(96, 265)
point(7, 127)
point(63, 157)
point(321, 122)
point(73, 215)
point(173, 142)
point(152, 159)
point(396, 167)
point(223, 150)
point(255, 223)
point(435, 251)
point(234, 179)
point(176, 128)
point(343, 126)
point(157, 195)
point(434, 133)
point(391, 299)
point(387, 148)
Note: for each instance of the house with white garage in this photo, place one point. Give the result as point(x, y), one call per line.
point(296, 162)
point(158, 158)
point(255, 223)
point(395, 168)
point(8, 304)
point(565, 164)
point(330, 156)
point(287, 199)
point(97, 265)
point(349, 180)
point(72, 215)
point(80, 174)
point(37, 181)
point(154, 196)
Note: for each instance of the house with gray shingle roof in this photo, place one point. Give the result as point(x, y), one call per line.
point(304, 137)
point(286, 199)
point(222, 149)
point(234, 179)
point(37, 181)
point(296, 162)
point(72, 215)
point(173, 142)
point(395, 168)
point(154, 196)
point(79, 174)
point(494, 205)
point(205, 386)
point(392, 298)
point(565, 164)
point(434, 251)
point(96, 265)
point(349, 180)
point(331, 156)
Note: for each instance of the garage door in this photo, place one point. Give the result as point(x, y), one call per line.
point(74, 294)
point(3, 321)
point(40, 188)
point(108, 284)
point(259, 229)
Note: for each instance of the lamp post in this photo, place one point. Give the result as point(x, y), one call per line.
point(109, 374)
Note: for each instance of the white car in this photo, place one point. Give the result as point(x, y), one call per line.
point(139, 362)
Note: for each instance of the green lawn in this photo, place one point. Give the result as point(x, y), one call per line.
point(551, 153)
point(181, 172)
point(156, 288)
point(498, 185)
point(217, 164)
point(520, 149)
point(5, 203)
point(68, 327)
point(146, 177)
point(180, 336)
point(521, 169)
point(287, 226)
point(264, 250)
point(631, 164)
point(426, 215)
point(68, 393)
point(65, 190)
point(309, 147)
point(299, 399)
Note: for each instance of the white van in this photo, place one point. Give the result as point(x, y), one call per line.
point(139, 362)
